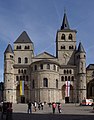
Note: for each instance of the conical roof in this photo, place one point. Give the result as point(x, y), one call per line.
point(80, 48)
point(65, 24)
point(8, 49)
point(23, 38)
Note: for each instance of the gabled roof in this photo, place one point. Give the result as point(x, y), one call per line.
point(90, 67)
point(80, 48)
point(44, 55)
point(65, 24)
point(23, 38)
point(8, 49)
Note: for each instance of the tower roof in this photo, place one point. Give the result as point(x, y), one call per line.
point(8, 49)
point(65, 24)
point(23, 38)
point(80, 48)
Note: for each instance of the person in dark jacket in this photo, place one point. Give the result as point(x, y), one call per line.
point(29, 107)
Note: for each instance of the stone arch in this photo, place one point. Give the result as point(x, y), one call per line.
point(90, 89)
point(70, 97)
point(22, 98)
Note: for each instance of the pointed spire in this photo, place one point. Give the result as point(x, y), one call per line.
point(80, 48)
point(65, 24)
point(8, 49)
point(23, 38)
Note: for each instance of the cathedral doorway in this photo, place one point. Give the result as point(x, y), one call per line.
point(22, 98)
point(68, 98)
point(90, 89)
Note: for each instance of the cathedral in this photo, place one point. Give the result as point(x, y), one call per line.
point(45, 77)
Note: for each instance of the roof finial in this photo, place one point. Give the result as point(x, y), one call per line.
point(65, 24)
point(64, 9)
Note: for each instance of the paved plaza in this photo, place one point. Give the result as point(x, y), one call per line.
point(69, 112)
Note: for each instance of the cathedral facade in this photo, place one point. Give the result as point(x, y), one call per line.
point(44, 77)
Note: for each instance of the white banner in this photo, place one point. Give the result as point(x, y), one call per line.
point(67, 90)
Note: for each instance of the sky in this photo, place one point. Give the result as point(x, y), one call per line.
point(41, 19)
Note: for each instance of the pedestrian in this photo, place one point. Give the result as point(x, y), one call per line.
point(59, 107)
point(39, 105)
point(53, 107)
point(29, 107)
point(35, 105)
point(42, 105)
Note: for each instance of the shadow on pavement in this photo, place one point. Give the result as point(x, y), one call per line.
point(26, 116)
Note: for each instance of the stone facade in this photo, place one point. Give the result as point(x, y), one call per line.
point(60, 78)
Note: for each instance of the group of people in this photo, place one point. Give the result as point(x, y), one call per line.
point(40, 106)
point(34, 106)
point(54, 105)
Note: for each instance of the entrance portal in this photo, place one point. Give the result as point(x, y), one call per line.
point(22, 99)
point(66, 99)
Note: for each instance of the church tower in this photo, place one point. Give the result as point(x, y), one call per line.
point(8, 74)
point(24, 52)
point(81, 72)
point(65, 43)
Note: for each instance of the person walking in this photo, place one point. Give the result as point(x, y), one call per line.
point(35, 105)
point(29, 107)
point(53, 107)
point(42, 105)
point(59, 107)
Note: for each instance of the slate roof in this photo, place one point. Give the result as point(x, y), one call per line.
point(8, 49)
point(90, 67)
point(65, 24)
point(41, 55)
point(80, 48)
point(23, 38)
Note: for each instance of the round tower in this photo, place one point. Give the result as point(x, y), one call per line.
point(81, 73)
point(8, 74)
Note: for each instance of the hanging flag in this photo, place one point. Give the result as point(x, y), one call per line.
point(21, 87)
point(67, 91)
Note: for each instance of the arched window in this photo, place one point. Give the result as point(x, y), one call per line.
point(71, 47)
point(33, 84)
point(64, 71)
point(17, 78)
point(56, 83)
point(70, 71)
point(27, 78)
point(28, 47)
point(19, 71)
point(70, 37)
point(62, 78)
point(67, 71)
point(45, 82)
point(48, 66)
point(21, 78)
point(17, 47)
point(62, 47)
point(63, 37)
point(68, 78)
point(54, 67)
point(22, 71)
point(41, 66)
point(65, 78)
point(72, 78)
point(19, 60)
point(26, 60)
